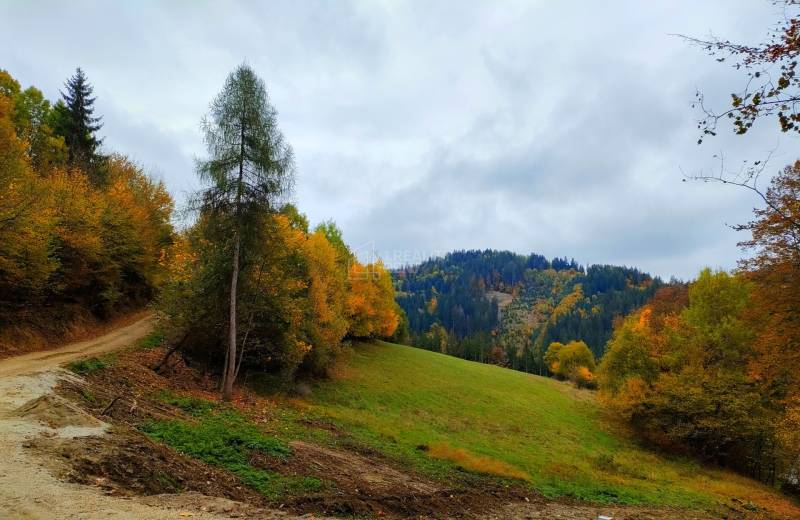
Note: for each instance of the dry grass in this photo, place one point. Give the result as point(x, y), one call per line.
point(476, 463)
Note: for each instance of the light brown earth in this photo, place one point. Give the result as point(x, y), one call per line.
point(50, 359)
point(38, 428)
point(30, 411)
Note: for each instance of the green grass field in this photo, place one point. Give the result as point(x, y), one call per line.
point(398, 399)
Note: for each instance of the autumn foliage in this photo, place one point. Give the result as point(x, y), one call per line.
point(370, 303)
point(68, 244)
point(252, 287)
point(688, 376)
point(302, 293)
point(573, 361)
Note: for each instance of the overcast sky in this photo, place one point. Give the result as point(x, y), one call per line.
point(421, 127)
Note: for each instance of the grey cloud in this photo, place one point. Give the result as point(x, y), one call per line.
point(555, 127)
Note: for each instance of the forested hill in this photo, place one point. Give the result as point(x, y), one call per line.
point(505, 308)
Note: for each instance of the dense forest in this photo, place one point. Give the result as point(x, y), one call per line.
point(505, 308)
point(83, 234)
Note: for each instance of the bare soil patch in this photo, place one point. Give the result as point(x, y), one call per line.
point(366, 486)
point(56, 412)
point(126, 463)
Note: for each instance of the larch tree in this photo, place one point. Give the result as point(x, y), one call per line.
point(76, 121)
point(250, 169)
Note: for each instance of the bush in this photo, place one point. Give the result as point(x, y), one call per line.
point(573, 361)
point(583, 378)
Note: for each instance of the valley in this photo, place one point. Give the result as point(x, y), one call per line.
point(400, 260)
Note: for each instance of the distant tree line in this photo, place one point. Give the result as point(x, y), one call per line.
point(453, 305)
point(610, 293)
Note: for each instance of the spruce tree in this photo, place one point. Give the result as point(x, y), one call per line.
point(77, 123)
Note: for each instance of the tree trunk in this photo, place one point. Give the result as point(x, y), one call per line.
point(230, 368)
point(227, 391)
point(177, 346)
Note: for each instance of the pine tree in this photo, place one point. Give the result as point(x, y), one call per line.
point(77, 123)
point(250, 168)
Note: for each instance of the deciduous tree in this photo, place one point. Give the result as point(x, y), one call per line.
point(771, 86)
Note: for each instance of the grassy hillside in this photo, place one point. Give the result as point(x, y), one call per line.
point(438, 412)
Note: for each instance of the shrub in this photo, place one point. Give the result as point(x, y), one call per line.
point(87, 366)
point(573, 361)
point(583, 378)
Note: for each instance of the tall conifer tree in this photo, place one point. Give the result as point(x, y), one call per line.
point(76, 121)
point(249, 169)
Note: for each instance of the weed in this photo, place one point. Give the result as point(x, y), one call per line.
point(605, 462)
point(167, 482)
point(87, 366)
point(224, 438)
point(152, 340)
point(88, 396)
point(190, 404)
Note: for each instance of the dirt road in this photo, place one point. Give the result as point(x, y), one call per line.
point(29, 487)
point(40, 361)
